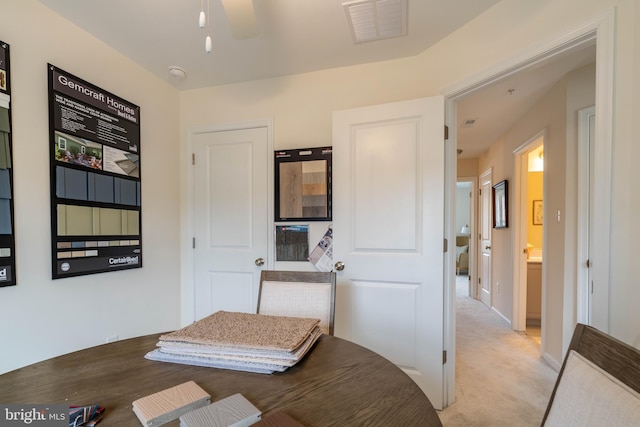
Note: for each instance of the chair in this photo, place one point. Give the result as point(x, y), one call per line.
point(462, 254)
point(299, 294)
point(598, 384)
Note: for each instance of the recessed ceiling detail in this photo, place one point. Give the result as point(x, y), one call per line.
point(467, 123)
point(371, 20)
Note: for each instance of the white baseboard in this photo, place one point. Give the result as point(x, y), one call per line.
point(552, 361)
point(502, 316)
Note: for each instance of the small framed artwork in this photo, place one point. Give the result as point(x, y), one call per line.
point(303, 184)
point(538, 212)
point(500, 205)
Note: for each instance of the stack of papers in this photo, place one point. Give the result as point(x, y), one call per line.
point(240, 341)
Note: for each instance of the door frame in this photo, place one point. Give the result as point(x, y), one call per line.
point(473, 233)
point(583, 307)
point(187, 288)
point(600, 28)
point(520, 208)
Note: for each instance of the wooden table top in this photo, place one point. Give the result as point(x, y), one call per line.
point(338, 383)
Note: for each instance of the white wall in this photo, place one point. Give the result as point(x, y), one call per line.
point(550, 114)
point(301, 105)
point(463, 205)
point(40, 317)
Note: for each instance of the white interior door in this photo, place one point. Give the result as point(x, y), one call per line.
point(388, 230)
point(486, 224)
point(231, 218)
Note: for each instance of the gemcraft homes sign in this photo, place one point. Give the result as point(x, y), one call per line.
point(95, 178)
point(7, 227)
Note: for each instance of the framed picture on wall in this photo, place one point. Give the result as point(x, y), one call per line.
point(303, 184)
point(537, 212)
point(500, 205)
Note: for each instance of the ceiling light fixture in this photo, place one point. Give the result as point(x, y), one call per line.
point(202, 21)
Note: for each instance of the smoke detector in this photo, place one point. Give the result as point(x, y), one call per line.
point(177, 73)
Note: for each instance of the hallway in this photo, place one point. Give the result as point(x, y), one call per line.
point(501, 380)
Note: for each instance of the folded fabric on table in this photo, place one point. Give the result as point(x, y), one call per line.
point(240, 341)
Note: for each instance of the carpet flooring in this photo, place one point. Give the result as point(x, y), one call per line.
point(501, 379)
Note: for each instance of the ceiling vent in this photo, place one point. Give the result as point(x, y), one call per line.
point(371, 20)
point(468, 123)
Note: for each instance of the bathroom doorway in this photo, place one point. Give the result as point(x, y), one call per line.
point(529, 265)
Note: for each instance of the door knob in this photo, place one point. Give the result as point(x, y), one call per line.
point(259, 262)
point(339, 266)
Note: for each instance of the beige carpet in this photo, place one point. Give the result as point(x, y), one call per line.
point(501, 380)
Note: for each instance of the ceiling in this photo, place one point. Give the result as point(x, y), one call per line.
point(297, 36)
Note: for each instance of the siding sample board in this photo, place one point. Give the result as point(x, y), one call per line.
point(169, 404)
point(78, 220)
point(233, 411)
point(101, 188)
point(5, 184)
point(75, 184)
point(5, 216)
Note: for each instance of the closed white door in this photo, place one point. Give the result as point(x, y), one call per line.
point(486, 224)
point(231, 218)
point(388, 231)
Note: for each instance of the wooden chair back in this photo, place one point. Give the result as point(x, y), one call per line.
point(618, 359)
point(309, 294)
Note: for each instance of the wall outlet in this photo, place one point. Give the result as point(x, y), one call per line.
point(112, 338)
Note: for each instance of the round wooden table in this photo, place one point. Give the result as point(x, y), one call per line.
point(338, 383)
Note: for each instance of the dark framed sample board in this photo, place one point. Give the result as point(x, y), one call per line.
point(7, 229)
point(303, 184)
point(95, 178)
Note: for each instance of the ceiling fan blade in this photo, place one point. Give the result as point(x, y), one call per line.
point(242, 18)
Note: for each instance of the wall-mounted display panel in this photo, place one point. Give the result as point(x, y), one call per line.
point(303, 184)
point(95, 178)
point(7, 228)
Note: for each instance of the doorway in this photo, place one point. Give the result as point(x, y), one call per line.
point(599, 31)
point(465, 230)
point(529, 237)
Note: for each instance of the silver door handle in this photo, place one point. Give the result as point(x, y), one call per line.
point(259, 262)
point(339, 266)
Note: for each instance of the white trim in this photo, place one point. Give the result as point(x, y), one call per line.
point(556, 365)
point(187, 282)
point(449, 326)
point(602, 29)
point(520, 206)
point(601, 239)
point(583, 221)
point(473, 232)
point(502, 316)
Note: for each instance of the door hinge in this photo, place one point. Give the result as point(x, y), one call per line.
point(194, 243)
point(480, 191)
point(446, 132)
point(444, 357)
point(479, 281)
point(193, 158)
point(588, 264)
point(446, 245)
